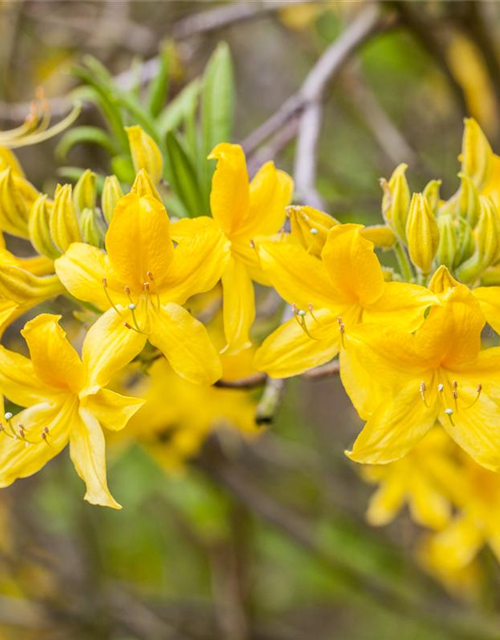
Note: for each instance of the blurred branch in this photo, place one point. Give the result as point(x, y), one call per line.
point(258, 379)
point(306, 156)
point(371, 591)
point(365, 102)
point(422, 30)
point(368, 23)
point(198, 24)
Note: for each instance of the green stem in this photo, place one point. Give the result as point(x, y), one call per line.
point(404, 263)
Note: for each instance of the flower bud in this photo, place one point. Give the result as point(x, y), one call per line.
point(380, 235)
point(8, 159)
point(39, 228)
point(84, 193)
point(468, 201)
point(93, 227)
point(447, 247)
point(17, 196)
point(431, 193)
point(465, 242)
point(477, 157)
point(20, 286)
point(422, 233)
point(111, 193)
point(310, 227)
point(144, 186)
point(442, 281)
point(145, 153)
point(63, 221)
point(487, 250)
point(396, 201)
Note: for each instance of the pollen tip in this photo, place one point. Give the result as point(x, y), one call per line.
point(9, 415)
point(448, 411)
point(314, 231)
point(131, 306)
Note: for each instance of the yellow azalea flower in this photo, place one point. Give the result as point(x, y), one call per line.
point(66, 402)
point(143, 281)
point(420, 479)
point(243, 210)
point(438, 373)
point(476, 524)
point(329, 296)
point(178, 416)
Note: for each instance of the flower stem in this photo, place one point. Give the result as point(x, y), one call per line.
point(403, 262)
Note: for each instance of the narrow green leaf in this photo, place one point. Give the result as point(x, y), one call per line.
point(158, 87)
point(217, 110)
point(174, 113)
point(181, 174)
point(84, 135)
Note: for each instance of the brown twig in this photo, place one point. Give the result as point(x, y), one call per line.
point(366, 24)
point(199, 24)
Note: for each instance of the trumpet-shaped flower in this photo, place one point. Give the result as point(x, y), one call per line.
point(437, 374)
point(144, 280)
point(178, 416)
point(66, 402)
point(243, 210)
point(421, 479)
point(329, 296)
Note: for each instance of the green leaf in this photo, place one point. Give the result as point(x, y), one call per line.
point(181, 174)
point(174, 113)
point(217, 103)
point(158, 88)
point(217, 110)
point(123, 168)
point(84, 134)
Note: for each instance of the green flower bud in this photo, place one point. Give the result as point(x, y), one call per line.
point(465, 242)
point(111, 193)
point(396, 201)
point(84, 193)
point(39, 228)
point(468, 201)
point(422, 233)
point(93, 227)
point(64, 227)
point(431, 193)
point(447, 247)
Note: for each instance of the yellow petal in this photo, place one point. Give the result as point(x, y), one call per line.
point(458, 544)
point(111, 409)
point(88, 453)
point(108, 347)
point(19, 382)
point(386, 503)
point(428, 506)
point(238, 306)
point(489, 301)
point(298, 277)
point(451, 334)
point(138, 241)
point(290, 351)
point(185, 343)
point(82, 270)
point(395, 427)
point(20, 460)
point(199, 260)
point(55, 361)
point(475, 425)
point(24, 288)
point(402, 304)
point(271, 191)
point(362, 388)
point(230, 195)
point(352, 265)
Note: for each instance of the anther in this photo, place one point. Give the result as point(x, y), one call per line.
point(449, 413)
point(478, 392)
point(8, 416)
point(132, 306)
point(423, 389)
point(342, 330)
point(440, 388)
point(314, 231)
point(311, 311)
point(252, 244)
point(301, 313)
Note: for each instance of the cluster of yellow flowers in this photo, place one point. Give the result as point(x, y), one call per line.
point(408, 339)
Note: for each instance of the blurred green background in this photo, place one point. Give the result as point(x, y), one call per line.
point(263, 540)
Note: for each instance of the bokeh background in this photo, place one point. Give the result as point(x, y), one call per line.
point(263, 539)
